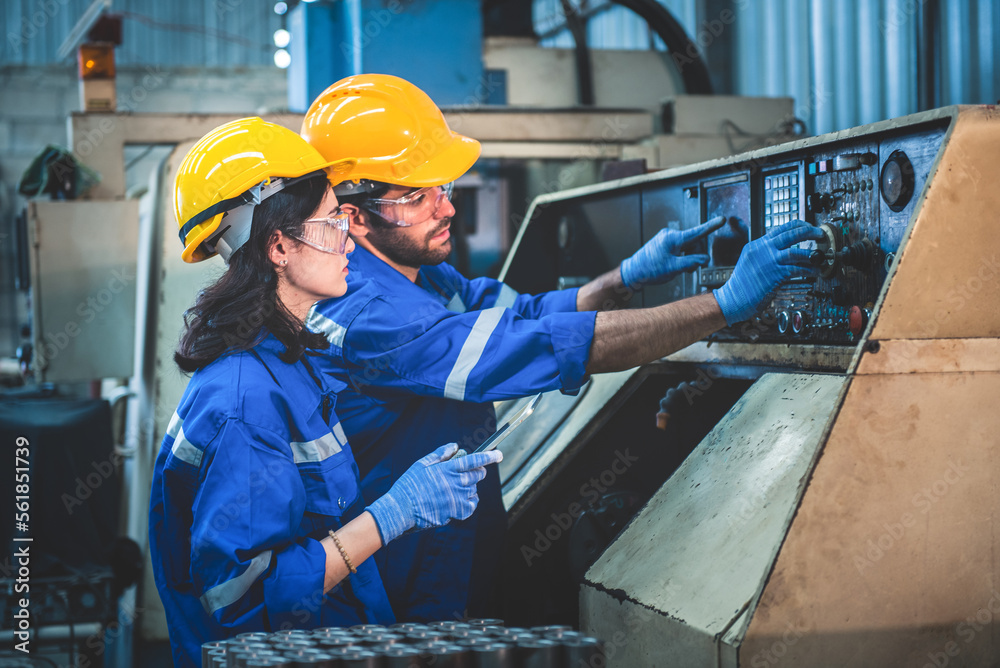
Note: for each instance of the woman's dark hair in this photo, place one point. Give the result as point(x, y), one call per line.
point(234, 313)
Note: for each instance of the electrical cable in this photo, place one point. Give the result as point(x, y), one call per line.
point(792, 128)
point(686, 56)
point(186, 27)
point(693, 71)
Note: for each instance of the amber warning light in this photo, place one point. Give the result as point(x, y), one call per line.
point(96, 61)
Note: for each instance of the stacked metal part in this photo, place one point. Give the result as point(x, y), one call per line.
point(476, 643)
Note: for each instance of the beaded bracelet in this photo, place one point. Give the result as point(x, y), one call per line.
point(343, 552)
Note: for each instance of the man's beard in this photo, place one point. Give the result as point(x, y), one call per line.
point(407, 252)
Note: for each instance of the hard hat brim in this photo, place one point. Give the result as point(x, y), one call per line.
point(193, 251)
point(447, 165)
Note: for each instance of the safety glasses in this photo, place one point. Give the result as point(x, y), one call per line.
point(412, 208)
point(327, 234)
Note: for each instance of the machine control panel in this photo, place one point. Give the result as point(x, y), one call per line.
point(860, 191)
point(840, 190)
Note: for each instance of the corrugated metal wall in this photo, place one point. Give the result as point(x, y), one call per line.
point(846, 62)
point(613, 28)
point(855, 61)
point(216, 33)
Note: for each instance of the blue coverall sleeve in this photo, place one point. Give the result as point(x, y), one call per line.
point(488, 355)
point(481, 293)
point(247, 560)
point(547, 303)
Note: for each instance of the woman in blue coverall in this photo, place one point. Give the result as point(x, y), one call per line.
point(256, 517)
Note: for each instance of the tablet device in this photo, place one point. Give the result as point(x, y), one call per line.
point(510, 425)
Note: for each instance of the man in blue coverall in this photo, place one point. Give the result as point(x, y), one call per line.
point(424, 351)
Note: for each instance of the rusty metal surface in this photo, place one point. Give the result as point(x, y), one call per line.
point(801, 357)
point(698, 554)
point(891, 558)
point(930, 356)
point(946, 282)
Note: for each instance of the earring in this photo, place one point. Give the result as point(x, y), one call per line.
point(284, 262)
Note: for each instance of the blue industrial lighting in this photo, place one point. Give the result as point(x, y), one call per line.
point(280, 8)
point(282, 38)
point(282, 59)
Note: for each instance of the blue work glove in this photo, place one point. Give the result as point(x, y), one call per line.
point(659, 260)
point(764, 264)
point(436, 489)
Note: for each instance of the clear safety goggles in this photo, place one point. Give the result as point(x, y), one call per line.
point(327, 234)
point(412, 208)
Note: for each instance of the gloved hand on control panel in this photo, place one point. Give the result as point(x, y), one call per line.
point(659, 260)
point(432, 492)
point(764, 264)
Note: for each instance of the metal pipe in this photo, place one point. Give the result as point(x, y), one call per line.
point(55, 632)
point(584, 70)
point(690, 63)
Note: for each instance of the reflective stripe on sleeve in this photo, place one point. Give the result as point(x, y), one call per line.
point(316, 450)
point(233, 590)
point(338, 431)
point(184, 450)
point(508, 296)
point(175, 425)
point(456, 305)
point(471, 352)
point(334, 333)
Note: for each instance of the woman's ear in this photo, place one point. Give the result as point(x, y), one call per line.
point(359, 224)
point(278, 249)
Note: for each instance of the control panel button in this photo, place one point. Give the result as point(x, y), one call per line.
point(783, 319)
point(798, 322)
point(857, 320)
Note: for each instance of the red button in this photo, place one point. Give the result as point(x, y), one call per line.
point(856, 320)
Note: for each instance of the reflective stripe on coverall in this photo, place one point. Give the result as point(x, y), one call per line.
point(252, 473)
point(423, 363)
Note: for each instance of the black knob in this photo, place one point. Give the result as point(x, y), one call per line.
point(858, 254)
point(817, 258)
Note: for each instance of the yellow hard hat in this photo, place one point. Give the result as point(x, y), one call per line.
point(229, 171)
point(393, 128)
